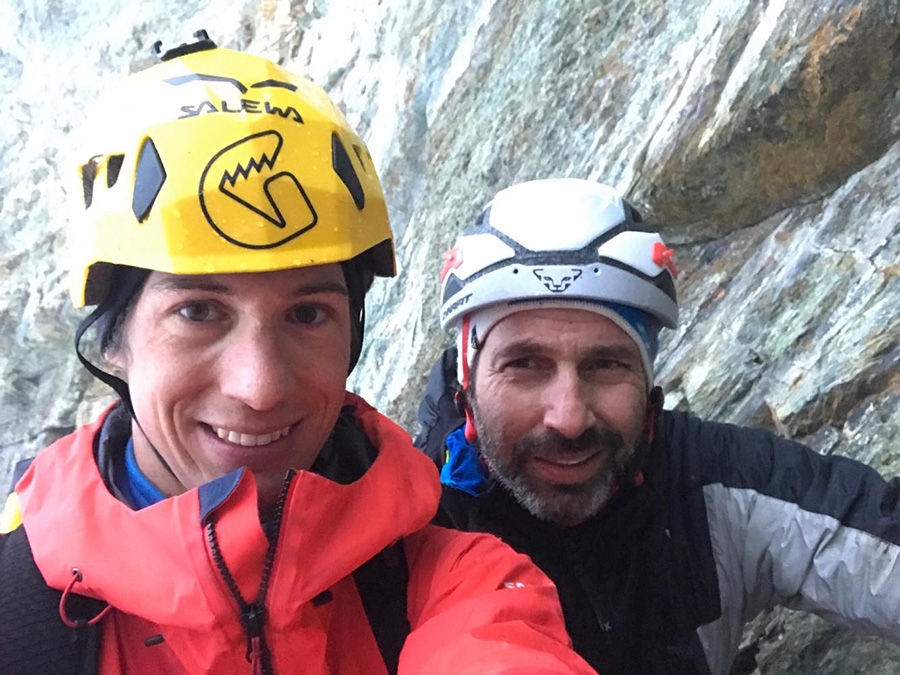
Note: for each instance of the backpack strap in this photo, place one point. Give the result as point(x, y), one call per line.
point(438, 414)
point(33, 638)
point(382, 586)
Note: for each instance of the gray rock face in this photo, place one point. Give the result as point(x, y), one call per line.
point(762, 138)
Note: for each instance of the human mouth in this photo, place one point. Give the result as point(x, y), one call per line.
point(568, 469)
point(566, 461)
point(250, 440)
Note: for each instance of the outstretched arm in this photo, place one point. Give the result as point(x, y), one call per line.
point(477, 607)
point(789, 526)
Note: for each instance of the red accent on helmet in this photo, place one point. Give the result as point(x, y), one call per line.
point(664, 257)
point(452, 260)
point(464, 352)
point(471, 433)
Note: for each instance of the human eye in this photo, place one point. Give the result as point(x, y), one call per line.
point(526, 364)
point(198, 312)
point(605, 364)
point(522, 363)
point(308, 314)
point(608, 366)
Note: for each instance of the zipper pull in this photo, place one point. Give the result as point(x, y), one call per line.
point(255, 656)
point(254, 619)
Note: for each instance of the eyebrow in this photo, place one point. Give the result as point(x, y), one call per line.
point(528, 346)
point(201, 282)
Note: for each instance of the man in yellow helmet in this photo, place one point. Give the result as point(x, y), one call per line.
point(237, 511)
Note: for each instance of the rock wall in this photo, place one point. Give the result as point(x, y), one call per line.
point(762, 138)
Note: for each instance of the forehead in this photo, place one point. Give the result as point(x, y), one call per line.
point(279, 283)
point(557, 330)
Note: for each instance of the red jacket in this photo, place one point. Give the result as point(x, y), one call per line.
point(474, 606)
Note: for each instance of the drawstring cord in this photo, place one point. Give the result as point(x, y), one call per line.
point(63, 612)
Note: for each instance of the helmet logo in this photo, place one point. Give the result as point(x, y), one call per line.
point(240, 86)
point(557, 281)
point(449, 309)
point(244, 105)
point(248, 201)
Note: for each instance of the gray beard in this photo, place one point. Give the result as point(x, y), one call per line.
point(565, 505)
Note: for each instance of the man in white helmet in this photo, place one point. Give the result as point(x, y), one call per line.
point(663, 533)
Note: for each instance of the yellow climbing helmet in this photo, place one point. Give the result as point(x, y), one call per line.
point(216, 161)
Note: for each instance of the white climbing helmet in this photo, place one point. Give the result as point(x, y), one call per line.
point(568, 241)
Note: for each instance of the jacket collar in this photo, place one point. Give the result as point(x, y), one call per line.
point(73, 520)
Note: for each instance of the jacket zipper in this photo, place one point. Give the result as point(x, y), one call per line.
point(601, 614)
point(253, 615)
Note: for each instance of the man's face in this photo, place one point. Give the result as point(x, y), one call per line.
point(559, 398)
point(236, 370)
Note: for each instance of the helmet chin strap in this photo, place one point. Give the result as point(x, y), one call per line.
point(655, 403)
point(471, 432)
point(635, 474)
point(118, 385)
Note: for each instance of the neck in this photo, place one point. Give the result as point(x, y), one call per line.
point(151, 463)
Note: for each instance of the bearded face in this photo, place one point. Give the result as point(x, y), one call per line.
point(589, 467)
point(559, 399)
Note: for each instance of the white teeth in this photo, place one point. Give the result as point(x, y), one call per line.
point(570, 461)
point(250, 440)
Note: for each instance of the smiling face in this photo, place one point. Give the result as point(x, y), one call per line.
point(235, 370)
point(559, 400)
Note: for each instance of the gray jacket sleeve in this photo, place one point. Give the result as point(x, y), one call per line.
point(790, 527)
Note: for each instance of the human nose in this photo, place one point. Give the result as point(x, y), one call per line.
point(254, 369)
point(567, 405)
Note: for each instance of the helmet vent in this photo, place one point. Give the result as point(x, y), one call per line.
point(88, 174)
point(359, 155)
point(148, 180)
point(113, 167)
point(340, 160)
